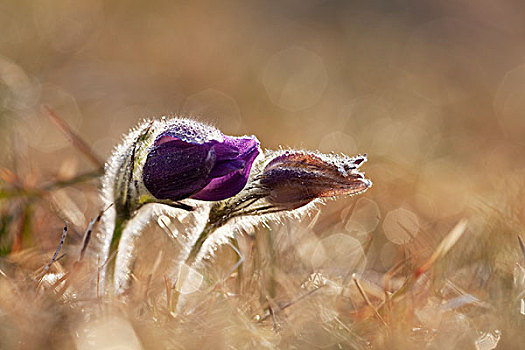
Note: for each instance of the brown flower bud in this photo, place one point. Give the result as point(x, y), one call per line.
point(295, 178)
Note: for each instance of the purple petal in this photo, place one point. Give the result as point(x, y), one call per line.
point(240, 164)
point(228, 159)
point(224, 168)
point(226, 150)
point(176, 169)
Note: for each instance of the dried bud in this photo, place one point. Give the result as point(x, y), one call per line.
point(294, 179)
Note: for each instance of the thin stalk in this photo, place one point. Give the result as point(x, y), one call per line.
point(120, 225)
point(74, 138)
point(7, 193)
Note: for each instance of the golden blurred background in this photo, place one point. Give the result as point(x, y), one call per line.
point(432, 91)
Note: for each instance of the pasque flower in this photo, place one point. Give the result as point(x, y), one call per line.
point(178, 161)
point(295, 178)
point(167, 161)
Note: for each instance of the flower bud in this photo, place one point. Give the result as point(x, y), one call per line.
point(166, 161)
point(294, 179)
point(184, 164)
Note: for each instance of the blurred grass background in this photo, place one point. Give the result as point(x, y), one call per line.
point(432, 91)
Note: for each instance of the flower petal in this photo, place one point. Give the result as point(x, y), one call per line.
point(231, 170)
point(228, 159)
point(176, 169)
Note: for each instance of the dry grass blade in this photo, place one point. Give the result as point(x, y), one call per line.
point(9, 177)
point(391, 273)
point(168, 293)
point(66, 283)
point(57, 251)
point(290, 303)
point(368, 302)
point(87, 236)
point(18, 191)
point(73, 137)
point(152, 273)
point(170, 304)
point(98, 279)
point(446, 244)
point(23, 231)
point(386, 283)
point(522, 245)
point(62, 240)
point(238, 263)
point(110, 258)
point(89, 230)
point(443, 248)
point(275, 325)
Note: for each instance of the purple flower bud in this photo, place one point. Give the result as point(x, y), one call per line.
point(194, 160)
point(294, 179)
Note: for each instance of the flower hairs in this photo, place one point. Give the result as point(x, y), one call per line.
point(186, 164)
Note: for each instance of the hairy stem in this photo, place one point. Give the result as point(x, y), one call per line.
point(195, 250)
point(120, 225)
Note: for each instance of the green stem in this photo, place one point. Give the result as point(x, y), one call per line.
point(120, 225)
